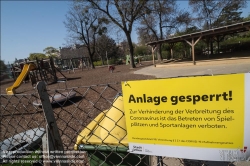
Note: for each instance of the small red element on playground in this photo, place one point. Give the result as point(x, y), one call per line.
point(111, 68)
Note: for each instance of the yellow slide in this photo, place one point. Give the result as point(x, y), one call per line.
point(109, 127)
point(21, 77)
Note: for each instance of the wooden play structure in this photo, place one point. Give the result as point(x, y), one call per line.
point(39, 70)
point(47, 72)
point(72, 64)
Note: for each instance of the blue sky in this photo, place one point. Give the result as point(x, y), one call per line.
point(30, 26)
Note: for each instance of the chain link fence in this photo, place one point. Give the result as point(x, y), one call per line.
point(71, 126)
point(22, 127)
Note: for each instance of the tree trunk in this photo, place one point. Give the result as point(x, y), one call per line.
point(159, 54)
point(102, 60)
point(131, 50)
point(211, 47)
point(91, 62)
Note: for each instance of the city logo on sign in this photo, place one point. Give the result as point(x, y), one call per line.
point(137, 149)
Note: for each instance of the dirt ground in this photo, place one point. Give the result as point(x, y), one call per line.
point(18, 114)
point(99, 75)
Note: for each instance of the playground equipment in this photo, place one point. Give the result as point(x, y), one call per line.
point(136, 59)
point(127, 59)
point(73, 64)
point(16, 70)
point(21, 77)
point(108, 127)
point(57, 98)
point(40, 70)
point(47, 71)
point(29, 140)
point(105, 139)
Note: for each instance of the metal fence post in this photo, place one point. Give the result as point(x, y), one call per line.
point(45, 151)
point(54, 139)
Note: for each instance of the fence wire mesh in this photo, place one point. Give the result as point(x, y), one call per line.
point(22, 128)
point(91, 125)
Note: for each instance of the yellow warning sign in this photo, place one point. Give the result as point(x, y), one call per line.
point(205, 111)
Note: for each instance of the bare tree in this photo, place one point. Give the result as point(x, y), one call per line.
point(123, 14)
point(184, 18)
point(230, 13)
point(208, 11)
point(83, 25)
point(145, 35)
point(158, 21)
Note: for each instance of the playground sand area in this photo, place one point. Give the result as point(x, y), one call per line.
point(21, 115)
point(87, 77)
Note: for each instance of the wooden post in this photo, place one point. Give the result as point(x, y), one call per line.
point(153, 50)
point(171, 49)
point(52, 65)
point(153, 56)
point(46, 142)
point(82, 63)
point(53, 136)
point(193, 51)
point(39, 69)
point(192, 44)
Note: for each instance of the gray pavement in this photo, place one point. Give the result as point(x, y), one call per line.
point(205, 67)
